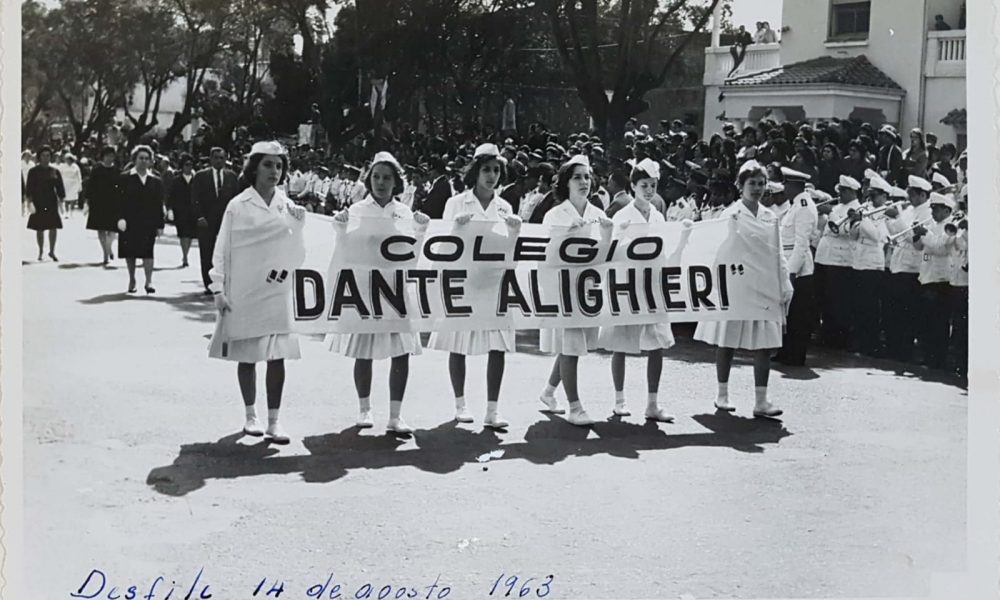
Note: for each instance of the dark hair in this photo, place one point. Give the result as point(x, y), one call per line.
point(751, 172)
point(833, 149)
point(184, 159)
point(638, 175)
point(562, 179)
point(249, 174)
point(397, 188)
point(949, 148)
point(44, 149)
point(620, 179)
point(471, 175)
point(106, 151)
point(217, 149)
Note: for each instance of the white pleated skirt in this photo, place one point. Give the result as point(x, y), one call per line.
point(571, 341)
point(258, 349)
point(743, 335)
point(472, 343)
point(634, 339)
point(374, 346)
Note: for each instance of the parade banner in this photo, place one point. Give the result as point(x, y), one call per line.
point(385, 275)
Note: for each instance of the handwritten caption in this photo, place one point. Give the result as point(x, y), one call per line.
point(98, 586)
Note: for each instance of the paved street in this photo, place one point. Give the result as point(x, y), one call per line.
point(133, 467)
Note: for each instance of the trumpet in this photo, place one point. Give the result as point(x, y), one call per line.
point(835, 226)
point(957, 221)
point(830, 201)
point(894, 239)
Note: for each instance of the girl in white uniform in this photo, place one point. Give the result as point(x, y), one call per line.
point(759, 336)
point(480, 202)
point(261, 205)
point(573, 210)
point(384, 182)
point(652, 339)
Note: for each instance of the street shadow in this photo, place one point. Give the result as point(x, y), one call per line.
point(80, 265)
point(195, 306)
point(447, 448)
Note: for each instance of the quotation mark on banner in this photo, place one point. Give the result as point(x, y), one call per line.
point(734, 269)
point(275, 276)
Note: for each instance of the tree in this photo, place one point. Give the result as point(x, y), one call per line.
point(37, 86)
point(85, 41)
point(152, 39)
point(610, 47)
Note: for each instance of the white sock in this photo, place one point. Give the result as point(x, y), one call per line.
point(620, 397)
point(651, 401)
point(394, 407)
point(549, 391)
point(365, 404)
point(251, 411)
point(272, 416)
point(724, 390)
point(575, 406)
point(491, 407)
point(760, 395)
point(459, 401)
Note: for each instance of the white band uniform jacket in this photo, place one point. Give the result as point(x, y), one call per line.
point(471, 343)
point(798, 221)
point(837, 249)
point(869, 251)
point(747, 335)
point(634, 339)
point(936, 266)
point(680, 209)
point(905, 257)
point(571, 341)
point(960, 260)
point(376, 346)
point(246, 211)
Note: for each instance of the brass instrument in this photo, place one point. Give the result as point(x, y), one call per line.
point(957, 221)
point(894, 239)
point(835, 227)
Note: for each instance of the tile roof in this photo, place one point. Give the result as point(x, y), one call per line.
point(825, 69)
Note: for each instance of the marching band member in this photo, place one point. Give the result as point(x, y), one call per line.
point(384, 182)
point(680, 208)
point(480, 202)
point(798, 221)
point(903, 289)
point(651, 339)
point(573, 210)
point(937, 244)
point(260, 207)
point(959, 281)
point(834, 256)
point(759, 336)
point(871, 236)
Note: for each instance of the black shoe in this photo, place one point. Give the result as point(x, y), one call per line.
point(150, 289)
point(207, 292)
point(131, 289)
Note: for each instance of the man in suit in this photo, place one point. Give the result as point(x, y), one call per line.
point(211, 191)
point(433, 204)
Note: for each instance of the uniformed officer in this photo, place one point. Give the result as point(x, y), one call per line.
point(871, 235)
point(903, 299)
point(937, 244)
point(834, 258)
point(960, 298)
point(798, 221)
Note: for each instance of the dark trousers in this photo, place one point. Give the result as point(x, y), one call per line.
point(935, 323)
point(801, 321)
point(901, 311)
point(837, 290)
point(206, 246)
point(868, 309)
point(960, 328)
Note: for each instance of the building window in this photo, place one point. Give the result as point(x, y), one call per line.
point(849, 20)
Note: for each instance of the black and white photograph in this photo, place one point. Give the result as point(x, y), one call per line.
point(473, 299)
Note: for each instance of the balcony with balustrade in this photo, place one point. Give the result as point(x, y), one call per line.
point(719, 62)
point(945, 54)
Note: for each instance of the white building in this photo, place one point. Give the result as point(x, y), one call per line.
point(880, 61)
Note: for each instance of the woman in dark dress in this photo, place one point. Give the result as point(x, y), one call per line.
point(179, 203)
point(830, 169)
point(44, 190)
point(100, 193)
point(140, 215)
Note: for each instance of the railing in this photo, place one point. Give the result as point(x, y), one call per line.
point(759, 57)
point(945, 54)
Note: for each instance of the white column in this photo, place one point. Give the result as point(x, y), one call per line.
point(716, 24)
